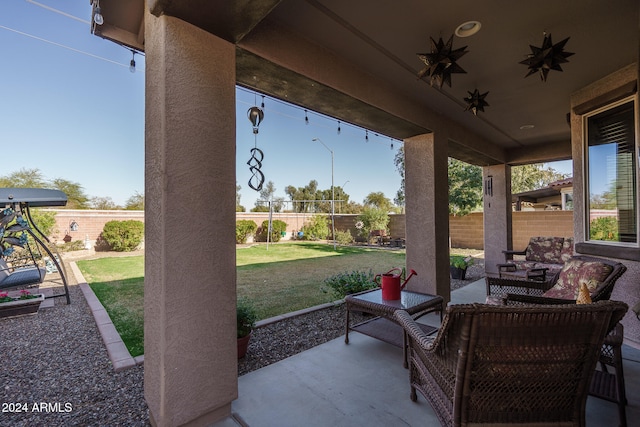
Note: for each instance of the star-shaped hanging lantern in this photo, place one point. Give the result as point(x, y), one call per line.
point(441, 62)
point(546, 58)
point(475, 101)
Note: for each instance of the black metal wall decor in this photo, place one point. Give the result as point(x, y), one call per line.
point(547, 57)
point(441, 62)
point(476, 101)
point(256, 181)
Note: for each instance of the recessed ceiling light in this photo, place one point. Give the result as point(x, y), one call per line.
point(468, 28)
point(527, 127)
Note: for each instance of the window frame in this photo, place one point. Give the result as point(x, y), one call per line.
point(633, 99)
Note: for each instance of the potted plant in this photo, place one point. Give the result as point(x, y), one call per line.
point(458, 266)
point(246, 316)
point(25, 303)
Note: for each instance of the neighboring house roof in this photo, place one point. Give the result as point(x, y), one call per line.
point(553, 189)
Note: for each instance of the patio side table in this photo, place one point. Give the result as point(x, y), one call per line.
point(384, 327)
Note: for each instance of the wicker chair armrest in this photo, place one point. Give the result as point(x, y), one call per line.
point(412, 329)
point(508, 254)
point(507, 267)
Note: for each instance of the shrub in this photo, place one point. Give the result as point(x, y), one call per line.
point(123, 236)
point(278, 228)
point(316, 228)
point(244, 228)
point(75, 245)
point(344, 284)
point(344, 237)
point(372, 219)
point(45, 221)
point(604, 228)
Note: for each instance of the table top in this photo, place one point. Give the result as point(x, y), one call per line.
point(412, 302)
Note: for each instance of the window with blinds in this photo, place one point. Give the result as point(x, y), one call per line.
point(611, 174)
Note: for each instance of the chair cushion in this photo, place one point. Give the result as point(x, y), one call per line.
point(544, 249)
point(574, 273)
point(4, 269)
point(567, 249)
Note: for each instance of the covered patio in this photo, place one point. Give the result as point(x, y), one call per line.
point(357, 61)
point(364, 384)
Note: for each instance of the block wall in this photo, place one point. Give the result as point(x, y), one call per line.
point(465, 232)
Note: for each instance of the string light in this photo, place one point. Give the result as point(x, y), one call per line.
point(132, 64)
point(63, 46)
point(307, 114)
point(262, 105)
point(97, 15)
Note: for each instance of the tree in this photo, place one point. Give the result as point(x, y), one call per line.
point(303, 197)
point(239, 207)
point(378, 200)
point(399, 162)
point(135, 202)
point(32, 178)
point(103, 203)
point(76, 198)
point(24, 178)
point(372, 218)
point(267, 195)
point(465, 187)
point(532, 177)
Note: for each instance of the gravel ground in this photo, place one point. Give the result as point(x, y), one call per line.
point(55, 371)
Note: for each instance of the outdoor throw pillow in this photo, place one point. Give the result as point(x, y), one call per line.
point(575, 272)
point(544, 249)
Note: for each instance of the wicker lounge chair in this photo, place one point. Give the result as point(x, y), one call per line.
point(607, 383)
point(504, 365)
point(515, 291)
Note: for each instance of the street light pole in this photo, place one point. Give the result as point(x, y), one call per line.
point(333, 195)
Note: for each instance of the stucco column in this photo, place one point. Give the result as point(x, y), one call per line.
point(190, 361)
point(427, 213)
point(497, 214)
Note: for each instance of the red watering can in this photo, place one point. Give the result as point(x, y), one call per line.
point(390, 283)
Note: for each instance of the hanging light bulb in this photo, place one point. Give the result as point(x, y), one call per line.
point(132, 64)
point(392, 145)
point(262, 105)
point(255, 116)
point(338, 127)
point(97, 14)
point(366, 135)
point(306, 118)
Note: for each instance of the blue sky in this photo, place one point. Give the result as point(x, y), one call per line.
point(63, 111)
point(71, 108)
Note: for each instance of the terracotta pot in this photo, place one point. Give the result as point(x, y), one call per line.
point(21, 307)
point(243, 345)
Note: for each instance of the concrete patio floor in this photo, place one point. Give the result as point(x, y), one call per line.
point(364, 384)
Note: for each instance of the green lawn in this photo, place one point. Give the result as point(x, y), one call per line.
point(283, 278)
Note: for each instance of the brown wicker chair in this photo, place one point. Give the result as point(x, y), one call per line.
point(530, 292)
point(510, 365)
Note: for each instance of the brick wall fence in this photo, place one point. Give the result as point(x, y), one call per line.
point(466, 231)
